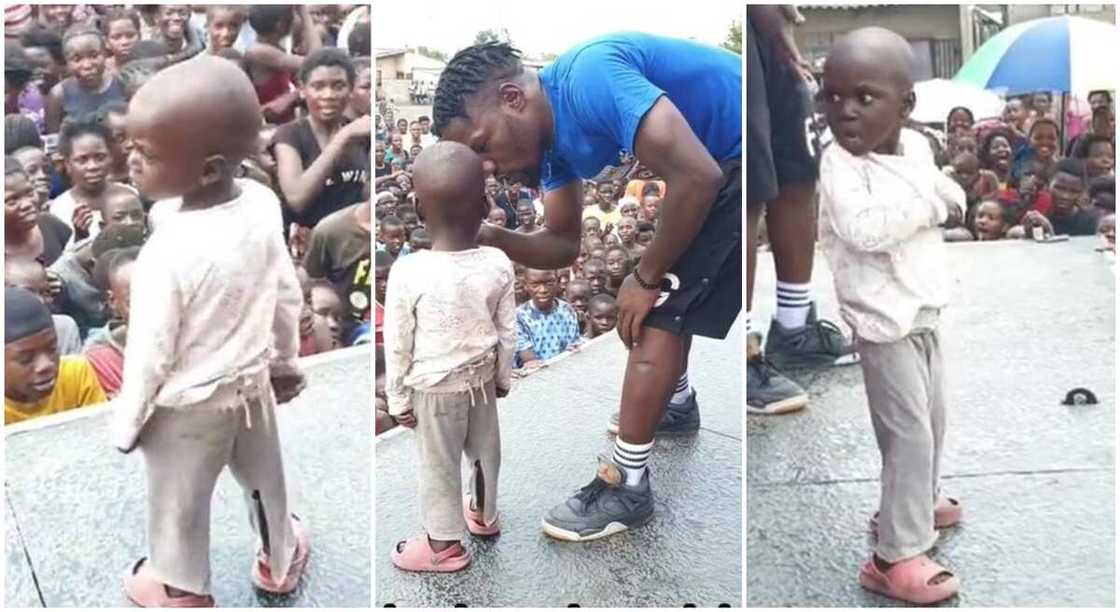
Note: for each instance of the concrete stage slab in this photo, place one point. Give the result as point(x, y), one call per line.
point(553, 425)
point(76, 507)
point(1027, 322)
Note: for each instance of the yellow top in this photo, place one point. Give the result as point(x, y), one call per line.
point(75, 387)
point(612, 217)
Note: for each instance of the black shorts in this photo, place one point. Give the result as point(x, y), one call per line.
point(778, 105)
point(703, 292)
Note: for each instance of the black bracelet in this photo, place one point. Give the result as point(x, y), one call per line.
point(643, 284)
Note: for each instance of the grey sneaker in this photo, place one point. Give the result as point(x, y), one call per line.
point(768, 392)
point(602, 508)
point(682, 418)
point(817, 344)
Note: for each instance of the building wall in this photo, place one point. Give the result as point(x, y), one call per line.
point(1017, 13)
point(934, 32)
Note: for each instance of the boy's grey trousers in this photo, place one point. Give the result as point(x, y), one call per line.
point(185, 449)
point(906, 391)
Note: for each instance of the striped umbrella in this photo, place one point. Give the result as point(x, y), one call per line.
point(1069, 54)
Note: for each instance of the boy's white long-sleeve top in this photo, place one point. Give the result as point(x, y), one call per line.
point(445, 310)
point(879, 229)
point(214, 296)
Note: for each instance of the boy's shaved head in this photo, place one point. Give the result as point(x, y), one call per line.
point(879, 47)
point(207, 101)
point(867, 90)
point(450, 186)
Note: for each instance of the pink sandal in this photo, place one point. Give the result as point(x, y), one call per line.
point(946, 513)
point(909, 580)
point(262, 570)
point(416, 555)
point(145, 591)
point(476, 524)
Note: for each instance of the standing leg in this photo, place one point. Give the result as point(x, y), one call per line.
point(258, 467)
point(484, 453)
point(442, 421)
point(897, 383)
point(184, 451)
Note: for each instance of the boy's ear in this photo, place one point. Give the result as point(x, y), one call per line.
point(213, 169)
point(908, 103)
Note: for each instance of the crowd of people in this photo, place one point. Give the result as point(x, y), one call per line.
point(75, 221)
point(556, 309)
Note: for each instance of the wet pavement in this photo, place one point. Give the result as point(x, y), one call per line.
point(75, 507)
point(1027, 323)
point(553, 425)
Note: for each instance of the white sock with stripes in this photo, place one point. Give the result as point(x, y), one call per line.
point(632, 458)
point(682, 390)
point(793, 304)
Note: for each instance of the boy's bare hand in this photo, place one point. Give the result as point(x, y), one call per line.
point(408, 419)
point(287, 388)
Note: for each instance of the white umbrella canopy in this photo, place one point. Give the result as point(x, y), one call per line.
point(936, 97)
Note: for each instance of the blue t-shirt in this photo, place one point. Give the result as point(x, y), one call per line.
point(601, 89)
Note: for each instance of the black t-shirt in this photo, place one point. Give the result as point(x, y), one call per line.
point(343, 186)
point(55, 236)
point(1081, 223)
point(338, 250)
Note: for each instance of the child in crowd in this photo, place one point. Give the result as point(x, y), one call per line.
point(112, 116)
point(84, 146)
point(1102, 193)
point(90, 84)
point(322, 162)
point(602, 313)
point(578, 295)
point(520, 290)
point(595, 271)
point(546, 326)
point(592, 227)
point(270, 67)
point(106, 353)
point(990, 221)
point(419, 240)
point(1099, 153)
point(121, 28)
point(977, 182)
point(31, 275)
point(37, 380)
point(383, 262)
point(28, 232)
point(645, 234)
point(223, 26)
point(996, 155)
point(618, 267)
point(1106, 229)
point(496, 216)
point(82, 294)
point(37, 168)
point(882, 200)
point(338, 251)
point(449, 341)
point(325, 312)
point(213, 335)
point(526, 216)
point(393, 235)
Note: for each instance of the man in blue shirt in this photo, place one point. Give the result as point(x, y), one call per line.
point(676, 105)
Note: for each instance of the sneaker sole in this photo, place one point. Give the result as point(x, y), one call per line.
point(571, 536)
point(790, 404)
point(808, 364)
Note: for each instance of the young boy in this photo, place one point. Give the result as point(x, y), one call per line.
point(31, 275)
point(106, 353)
point(393, 235)
point(602, 313)
point(37, 381)
point(546, 326)
point(882, 202)
point(449, 354)
point(212, 321)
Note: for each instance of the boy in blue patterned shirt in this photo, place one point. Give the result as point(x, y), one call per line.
point(546, 326)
